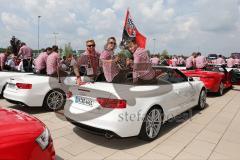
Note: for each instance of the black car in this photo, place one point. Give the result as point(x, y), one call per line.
point(212, 56)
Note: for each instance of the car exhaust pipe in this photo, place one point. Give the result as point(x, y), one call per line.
point(108, 135)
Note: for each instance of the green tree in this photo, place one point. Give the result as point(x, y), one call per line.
point(165, 54)
point(2, 50)
point(68, 51)
point(14, 45)
point(124, 54)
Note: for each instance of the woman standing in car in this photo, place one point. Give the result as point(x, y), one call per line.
point(109, 62)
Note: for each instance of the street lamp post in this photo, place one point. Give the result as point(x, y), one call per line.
point(55, 37)
point(38, 33)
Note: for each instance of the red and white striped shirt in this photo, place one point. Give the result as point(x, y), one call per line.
point(230, 62)
point(237, 61)
point(52, 63)
point(142, 68)
point(110, 68)
point(155, 60)
point(41, 61)
point(220, 61)
point(201, 62)
point(174, 62)
point(90, 59)
point(190, 62)
point(3, 59)
point(25, 52)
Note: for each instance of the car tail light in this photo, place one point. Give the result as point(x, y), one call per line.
point(24, 86)
point(112, 103)
point(69, 94)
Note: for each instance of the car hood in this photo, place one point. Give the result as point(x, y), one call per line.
point(16, 125)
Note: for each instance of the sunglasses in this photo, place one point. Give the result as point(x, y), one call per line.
point(91, 45)
point(112, 42)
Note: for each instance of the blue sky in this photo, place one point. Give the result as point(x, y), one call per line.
point(180, 26)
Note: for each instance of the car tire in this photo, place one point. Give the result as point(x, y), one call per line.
point(149, 130)
point(54, 100)
point(221, 89)
point(202, 99)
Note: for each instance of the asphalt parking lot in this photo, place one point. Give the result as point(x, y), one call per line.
point(213, 133)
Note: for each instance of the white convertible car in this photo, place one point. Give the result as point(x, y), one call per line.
point(126, 110)
point(38, 90)
point(4, 77)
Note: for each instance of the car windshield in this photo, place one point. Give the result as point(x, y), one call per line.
point(214, 68)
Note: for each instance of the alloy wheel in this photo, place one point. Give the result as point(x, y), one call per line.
point(202, 100)
point(153, 123)
point(221, 88)
point(55, 100)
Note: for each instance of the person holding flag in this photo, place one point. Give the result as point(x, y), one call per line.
point(143, 72)
point(130, 32)
point(135, 42)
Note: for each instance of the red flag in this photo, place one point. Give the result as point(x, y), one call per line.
point(130, 32)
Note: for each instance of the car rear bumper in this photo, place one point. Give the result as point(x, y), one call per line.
point(93, 130)
point(26, 98)
point(112, 122)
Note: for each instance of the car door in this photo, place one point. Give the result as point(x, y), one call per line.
point(184, 89)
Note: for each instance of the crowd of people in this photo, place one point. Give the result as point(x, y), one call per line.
point(196, 61)
point(93, 64)
point(103, 65)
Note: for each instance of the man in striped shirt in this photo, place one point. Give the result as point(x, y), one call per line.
point(155, 60)
point(220, 60)
point(230, 62)
point(26, 54)
point(237, 61)
point(41, 61)
point(143, 72)
point(3, 59)
point(53, 62)
point(191, 61)
point(174, 61)
point(201, 61)
point(88, 63)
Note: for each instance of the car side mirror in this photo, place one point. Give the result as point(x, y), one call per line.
point(190, 79)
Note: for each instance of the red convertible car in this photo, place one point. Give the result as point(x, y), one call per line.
point(23, 137)
point(215, 78)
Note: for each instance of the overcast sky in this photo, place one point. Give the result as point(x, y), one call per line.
point(180, 26)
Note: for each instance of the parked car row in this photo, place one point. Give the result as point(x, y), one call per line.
point(216, 78)
point(112, 109)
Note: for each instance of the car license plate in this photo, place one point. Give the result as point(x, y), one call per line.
point(84, 100)
point(11, 85)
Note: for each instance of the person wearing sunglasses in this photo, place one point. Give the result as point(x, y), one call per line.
point(143, 72)
point(109, 62)
point(88, 63)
